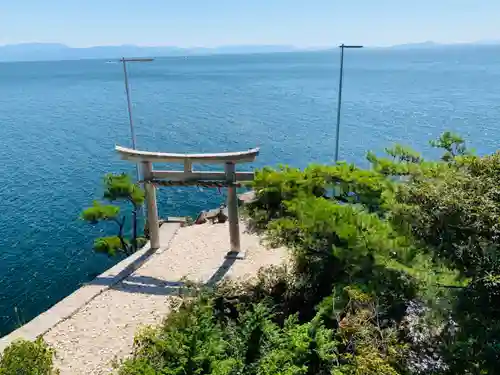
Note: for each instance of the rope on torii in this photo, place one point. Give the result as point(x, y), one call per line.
point(205, 184)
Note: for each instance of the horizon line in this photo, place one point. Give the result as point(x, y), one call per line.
point(298, 47)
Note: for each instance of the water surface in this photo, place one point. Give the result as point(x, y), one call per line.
point(60, 121)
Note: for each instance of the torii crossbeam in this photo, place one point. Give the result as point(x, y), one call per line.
point(229, 176)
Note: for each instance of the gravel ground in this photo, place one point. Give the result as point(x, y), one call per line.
point(103, 330)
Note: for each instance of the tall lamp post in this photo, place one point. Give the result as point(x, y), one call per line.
point(339, 104)
point(129, 103)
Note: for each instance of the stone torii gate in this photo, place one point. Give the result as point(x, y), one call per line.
point(229, 177)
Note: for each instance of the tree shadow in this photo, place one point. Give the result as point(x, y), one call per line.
point(154, 286)
point(221, 272)
point(150, 285)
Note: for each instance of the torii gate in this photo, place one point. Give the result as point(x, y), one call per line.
point(229, 177)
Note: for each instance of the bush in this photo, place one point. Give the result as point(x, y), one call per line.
point(27, 358)
point(196, 340)
point(335, 243)
point(473, 340)
point(395, 271)
point(345, 182)
point(457, 215)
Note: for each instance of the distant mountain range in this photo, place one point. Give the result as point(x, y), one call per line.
point(431, 44)
point(55, 51)
point(428, 44)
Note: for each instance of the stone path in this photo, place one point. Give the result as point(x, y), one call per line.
point(103, 329)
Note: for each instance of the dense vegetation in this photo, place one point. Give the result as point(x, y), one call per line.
point(396, 270)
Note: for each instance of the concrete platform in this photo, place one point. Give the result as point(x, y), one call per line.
point(96, 325)
point(71, 304)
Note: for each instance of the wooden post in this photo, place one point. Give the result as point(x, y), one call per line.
point(232, 209)
point(153, 224)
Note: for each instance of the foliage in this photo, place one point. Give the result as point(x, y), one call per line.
point(196, 339)
point(456, 215)
point(348, 183)
point(117, 188)
point(453, 144)
point(395, 271)
point(474, 341)
point(335, 243)
point(27, 358)
point(452, 209)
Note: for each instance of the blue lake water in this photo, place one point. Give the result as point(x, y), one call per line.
point(60, 121)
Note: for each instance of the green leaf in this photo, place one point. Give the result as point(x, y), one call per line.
point(27, 358)
point(100, 212)
point(453, 144)
point(110, 245)
point(121, 187)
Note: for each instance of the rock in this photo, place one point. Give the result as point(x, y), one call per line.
point(218, 215)
point(247, 197)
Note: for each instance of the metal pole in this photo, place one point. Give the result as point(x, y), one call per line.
point(130, 118)
point(339, 104)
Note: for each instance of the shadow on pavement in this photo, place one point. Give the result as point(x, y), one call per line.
point(151, 285)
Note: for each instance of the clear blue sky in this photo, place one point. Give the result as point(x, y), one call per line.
point(222, 22)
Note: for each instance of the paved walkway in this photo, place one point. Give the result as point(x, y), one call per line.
point(103, 329)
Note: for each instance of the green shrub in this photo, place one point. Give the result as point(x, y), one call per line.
point(367, 343)
point(472, 343)
point(274, 188)
point(394, 271)
point(196, 340)
point(456, 216)
point(27, 358)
